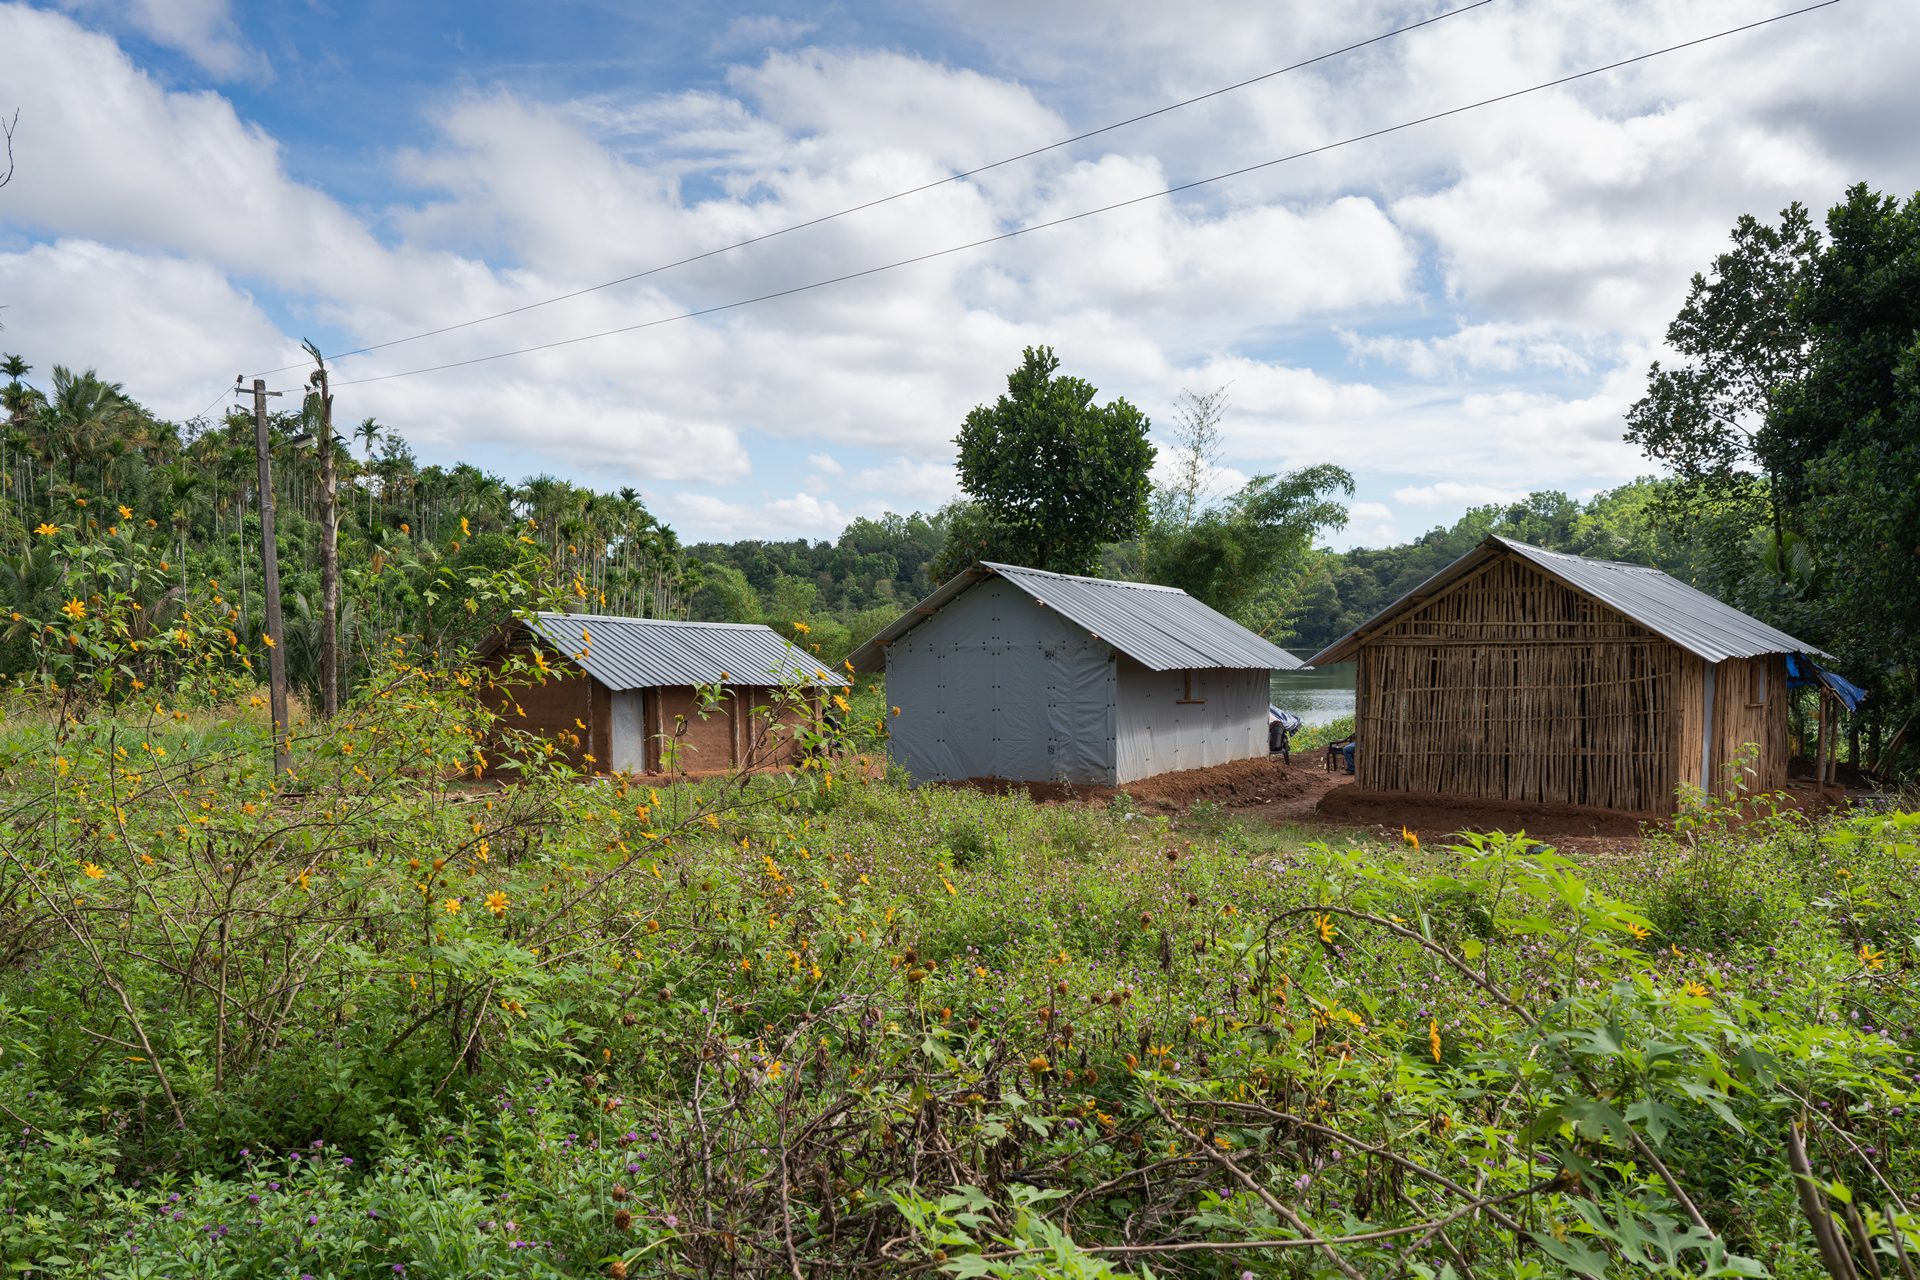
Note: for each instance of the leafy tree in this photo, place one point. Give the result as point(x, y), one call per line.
point(974, 534)
point(725, 596)
point(1247, 555)
point(1242, 556)
point(1053, 470)
point(1845, 435)
point(1743, 339)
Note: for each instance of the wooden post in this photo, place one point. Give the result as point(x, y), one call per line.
point(329, 559)
point(270, 570)
point(1820, 743)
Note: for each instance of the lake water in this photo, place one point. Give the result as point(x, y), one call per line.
point(1319, 696)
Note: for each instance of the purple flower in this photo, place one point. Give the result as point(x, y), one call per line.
point(399, 1268)
point(253, 1199)
point(672, 1222)
point(346, 1161)
point(313, 1219)
point(372, 1214)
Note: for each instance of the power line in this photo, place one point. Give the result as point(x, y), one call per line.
point(898, 195)
point(1088, 213)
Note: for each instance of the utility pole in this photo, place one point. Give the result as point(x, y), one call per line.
point(329, 548)
point(270, 570)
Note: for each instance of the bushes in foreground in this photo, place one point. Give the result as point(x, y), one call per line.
point(388, 1020)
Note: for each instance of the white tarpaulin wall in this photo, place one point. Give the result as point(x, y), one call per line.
point(998, 686)
point(1178, 720)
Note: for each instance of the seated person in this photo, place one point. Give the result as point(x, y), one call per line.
point(1281, 726)
point(1348, 750)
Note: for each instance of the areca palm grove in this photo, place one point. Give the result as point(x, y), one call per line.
point(83, 465)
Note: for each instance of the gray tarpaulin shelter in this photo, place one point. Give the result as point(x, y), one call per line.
point(1005, 672)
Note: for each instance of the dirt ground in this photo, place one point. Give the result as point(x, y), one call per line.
point(1305, 793)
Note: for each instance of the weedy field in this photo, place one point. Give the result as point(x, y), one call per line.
point(385, 1019)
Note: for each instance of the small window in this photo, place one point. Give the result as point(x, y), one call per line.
point(1757, 693)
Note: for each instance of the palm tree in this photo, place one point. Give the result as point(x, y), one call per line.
point(368, 431)
point(181, 481)
point(82, 414)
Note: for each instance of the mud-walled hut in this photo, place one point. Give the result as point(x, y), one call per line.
point(617, 687)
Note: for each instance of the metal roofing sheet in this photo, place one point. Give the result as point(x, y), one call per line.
point(645, 653)
point(1160, 627)
point(1658, 601)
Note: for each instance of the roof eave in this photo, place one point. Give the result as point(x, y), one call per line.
point(872, 656)
point(1347, 647)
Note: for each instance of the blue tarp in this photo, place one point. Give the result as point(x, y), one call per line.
point(1288, 721)
point(1802, 670)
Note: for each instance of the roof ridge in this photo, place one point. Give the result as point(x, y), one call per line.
point(1623, 565)
point(1075, 577)
point(657, 622)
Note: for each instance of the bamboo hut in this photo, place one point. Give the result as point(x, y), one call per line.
point(1523, 674)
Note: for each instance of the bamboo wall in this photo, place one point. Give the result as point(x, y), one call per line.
point(1750, 706)
point(1510, 685)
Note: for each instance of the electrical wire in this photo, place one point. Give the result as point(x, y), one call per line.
point(898, 195)
point(1088, 213)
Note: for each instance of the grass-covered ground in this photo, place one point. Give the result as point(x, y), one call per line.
point(387, 1020)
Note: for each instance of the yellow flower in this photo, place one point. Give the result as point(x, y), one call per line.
point(1695, 989)
point(91, 872)
point(126, 513)
point(269, 640)
point(452, 906)
point(896, 711)
point(803, 628)
point(1411, 838)
point(405, 527)
point(74, 609)
point(1873, 959)
point(841, 703)
point(48, 529)
point(949, 884)
point(1637, 931)
point(464, 531)
point(1324, 925)
point(498, 903)
point(1433, 1037)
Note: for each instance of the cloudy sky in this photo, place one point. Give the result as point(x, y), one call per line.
point(1457, 312)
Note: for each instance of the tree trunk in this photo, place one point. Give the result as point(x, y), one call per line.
point(329, 562)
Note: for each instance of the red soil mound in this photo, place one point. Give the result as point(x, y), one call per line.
point(1430, 814)
point(1238, 784)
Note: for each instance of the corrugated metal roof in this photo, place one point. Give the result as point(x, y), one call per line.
point(1159, 627)
point(1660, 602)
point(645, 653)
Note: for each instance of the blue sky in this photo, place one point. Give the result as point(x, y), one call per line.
point(1456, 313)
